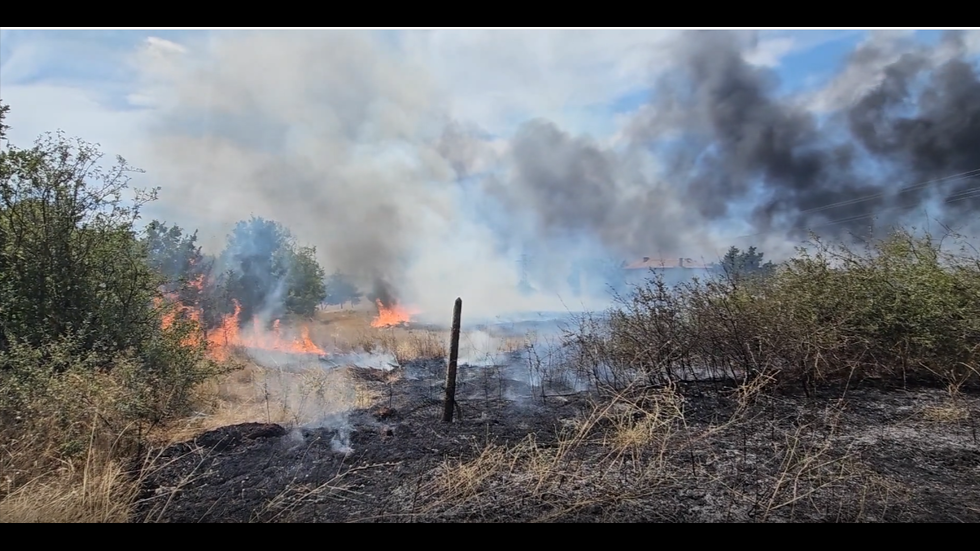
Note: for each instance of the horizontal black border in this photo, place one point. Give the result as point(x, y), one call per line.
point(459, 15)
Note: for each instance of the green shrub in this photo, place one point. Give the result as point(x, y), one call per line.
point(905, 307)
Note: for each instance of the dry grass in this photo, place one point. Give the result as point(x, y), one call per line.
point(946, 413)
point(633, 451)
point(612, 455)
point(42, 480)
point(40, 483)
point(100, 493)
point(273, 395)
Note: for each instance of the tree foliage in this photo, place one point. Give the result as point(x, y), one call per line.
point(341, 290)
point(177, 257)
point(740, 264)
point(70, 260)
point(80, 289)
point(305, 284)
point(267, 274)
point(3, 115)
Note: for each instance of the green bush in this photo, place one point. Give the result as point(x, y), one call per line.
point(905, 307)
point(82, 340)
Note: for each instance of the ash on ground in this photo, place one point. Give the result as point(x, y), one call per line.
point(517, 453)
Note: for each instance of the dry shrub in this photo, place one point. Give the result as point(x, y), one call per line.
point(71, 420)
point(904, 308)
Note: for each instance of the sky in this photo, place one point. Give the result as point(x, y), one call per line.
point(407, 154)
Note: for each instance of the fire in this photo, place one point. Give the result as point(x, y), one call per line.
point(192, 314)
point(229, 335)
point(221, 340)
point(392, 316)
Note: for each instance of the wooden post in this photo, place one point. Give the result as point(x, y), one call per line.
point(450, 403)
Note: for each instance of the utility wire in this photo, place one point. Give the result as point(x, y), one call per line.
point(959, 196)
point(922, 185)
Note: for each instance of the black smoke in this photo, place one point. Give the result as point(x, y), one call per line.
point(728, 136)
point(383, 292)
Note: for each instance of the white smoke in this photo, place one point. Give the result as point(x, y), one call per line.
point(343, 139)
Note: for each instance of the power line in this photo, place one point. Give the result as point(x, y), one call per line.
point(922, 185)
point(959, 196)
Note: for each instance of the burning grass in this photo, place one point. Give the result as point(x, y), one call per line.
point(389, 316)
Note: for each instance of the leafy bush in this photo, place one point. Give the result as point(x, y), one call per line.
point(85, 357)
point(906, 307)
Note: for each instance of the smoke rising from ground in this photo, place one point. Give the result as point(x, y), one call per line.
point(341, 138)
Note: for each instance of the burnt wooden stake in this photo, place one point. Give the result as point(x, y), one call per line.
point(448, 406)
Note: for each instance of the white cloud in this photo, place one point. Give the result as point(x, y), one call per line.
point(769, 53)
point(39, 108)
point(500, 78)
point(163, 45)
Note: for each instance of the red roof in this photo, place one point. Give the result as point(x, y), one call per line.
point(663, 263)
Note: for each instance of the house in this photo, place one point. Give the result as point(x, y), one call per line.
point(648, 263)
point(673, 270)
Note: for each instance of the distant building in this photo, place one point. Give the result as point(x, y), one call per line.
point(674, 270)
point(665, 264)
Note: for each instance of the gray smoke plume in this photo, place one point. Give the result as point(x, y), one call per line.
point(727, 138)
point(325, 132)
point(942, 136)
point(353, 148)
point(736, 136)
point(575, 188)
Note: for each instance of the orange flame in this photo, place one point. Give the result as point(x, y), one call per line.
point(394, 315)
point(169, 318)
point(228, 335)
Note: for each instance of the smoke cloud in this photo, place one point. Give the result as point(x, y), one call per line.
point(902, 110)
point(344, 140)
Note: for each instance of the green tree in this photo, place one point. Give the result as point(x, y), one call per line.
point(70, 260)
point(84, 352)
point(305, 286)
point(341, 290)
point(3, 115)
point(178, 258)
point(740, 264)
point(256, 260)
point(266, 272)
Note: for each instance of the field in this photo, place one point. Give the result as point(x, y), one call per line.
point(718, 401)
point(305, 443)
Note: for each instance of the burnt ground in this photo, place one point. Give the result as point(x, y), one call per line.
point(870, 454)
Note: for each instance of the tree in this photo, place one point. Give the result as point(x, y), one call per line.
point(3, 115)
point(256, 258)
point(178, 258)
point(70, 261)
point(740, 264)
point(267, 273)
point(340, 290)
point(305, 286)
point(77, 284)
